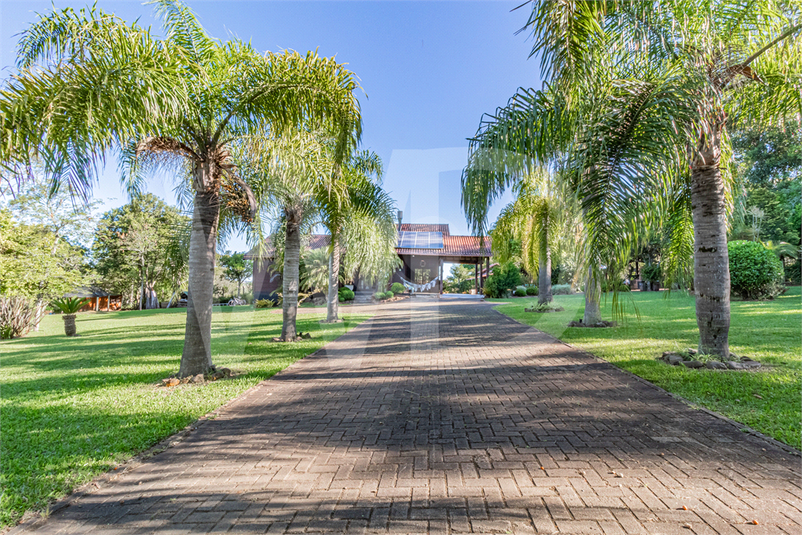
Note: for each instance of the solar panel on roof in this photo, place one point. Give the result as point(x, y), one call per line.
point(420, 240)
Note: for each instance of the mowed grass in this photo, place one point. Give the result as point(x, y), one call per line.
point(769, 331)
point(73, 408)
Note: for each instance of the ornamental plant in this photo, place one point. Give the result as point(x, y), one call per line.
point(755, 272)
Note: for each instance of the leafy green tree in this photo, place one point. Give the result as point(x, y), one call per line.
point(34, 203)
point(461, 278)
point(142, 246)
point(37, 264)
point(181, 102)
point(640, 98)
point(236, 268)
point(770, 155)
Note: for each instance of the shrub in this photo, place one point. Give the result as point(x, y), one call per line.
point(397, 288)
point(755, 272)
point(389, 294)
point(17, 316)
point(561, 289)
point(378, 296)
point(264, 303)
point(520, 292)
point(651, 273)
point(502, 280)
point(532, 290)
point(346, 294)
point(794, 273)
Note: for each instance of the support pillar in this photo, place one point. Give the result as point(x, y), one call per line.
point(440, 272)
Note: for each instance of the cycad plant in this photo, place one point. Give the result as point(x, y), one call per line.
point(69, 306)
point(90, 82)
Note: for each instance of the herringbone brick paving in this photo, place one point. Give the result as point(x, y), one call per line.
point(437, 417)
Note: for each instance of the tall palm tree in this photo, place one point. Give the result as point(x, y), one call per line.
point(639, 100)
point(180, 101)
point(288, 174)
point(533, 219)
point(364, 221)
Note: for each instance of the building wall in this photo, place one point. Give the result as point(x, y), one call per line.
point(265, 283)
point(419, 270)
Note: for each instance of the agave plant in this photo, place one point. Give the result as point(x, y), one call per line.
point(69, 306)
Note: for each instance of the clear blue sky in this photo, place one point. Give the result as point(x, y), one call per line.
point(428, 69)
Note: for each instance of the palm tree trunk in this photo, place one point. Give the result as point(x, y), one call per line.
point(592, 299)
point(197, 355)
point(333, 305)
point(710, 260)
point(292, 259)
point(544, 295)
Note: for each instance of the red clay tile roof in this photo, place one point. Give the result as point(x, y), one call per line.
point(425, 227)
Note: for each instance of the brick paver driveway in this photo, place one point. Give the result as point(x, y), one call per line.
point(446, 417)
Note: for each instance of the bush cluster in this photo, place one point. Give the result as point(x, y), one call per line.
point(397, 288)
point(755, 272)
point(381, 296)
point(531, 290)
point(345, 294)
point(502, 280)
point(651, 273)
point(520, 291)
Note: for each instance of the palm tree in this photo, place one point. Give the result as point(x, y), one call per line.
point(364, 222)
point(288, 175)
point(181, 101)
point(533, 220)
point(639, 100)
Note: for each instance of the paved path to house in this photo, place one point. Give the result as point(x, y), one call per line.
point(446, 417)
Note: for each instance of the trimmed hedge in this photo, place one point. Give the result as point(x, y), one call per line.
point(755, 272)
point(531, 290)
point(520, 292)
point(397, 288)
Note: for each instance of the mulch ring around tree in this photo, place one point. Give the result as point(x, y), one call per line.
point(690, 358)
point(544, 309)
point(598, 324)
point(214, 374)
point(300, 336)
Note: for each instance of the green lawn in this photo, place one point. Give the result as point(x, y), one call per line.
point(73, 408)
point(767, 331)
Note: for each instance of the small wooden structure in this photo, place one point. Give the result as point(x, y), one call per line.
point(99, 299)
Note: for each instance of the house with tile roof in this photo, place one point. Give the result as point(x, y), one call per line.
point(423, 249)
